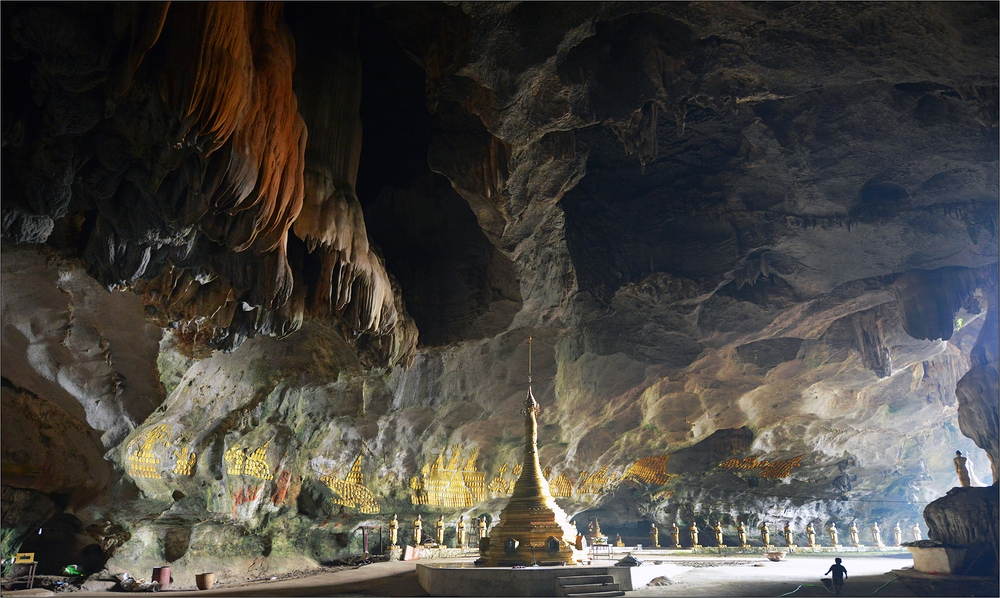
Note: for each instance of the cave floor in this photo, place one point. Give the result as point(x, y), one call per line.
point(697, 576)
point(796, 575)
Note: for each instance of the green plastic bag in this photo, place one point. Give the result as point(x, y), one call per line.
point(71, 570)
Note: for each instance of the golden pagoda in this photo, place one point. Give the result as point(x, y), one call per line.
point(533, 529)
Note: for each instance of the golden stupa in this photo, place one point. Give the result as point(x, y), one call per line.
point(533, 529)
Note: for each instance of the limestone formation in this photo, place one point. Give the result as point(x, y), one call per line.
point(967, 517)
point(268, 270)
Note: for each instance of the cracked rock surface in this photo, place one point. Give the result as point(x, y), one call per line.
point(755, 247)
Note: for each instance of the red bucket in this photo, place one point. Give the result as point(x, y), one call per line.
point(162, 575)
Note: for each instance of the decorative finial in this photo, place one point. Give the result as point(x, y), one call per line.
point(529, 360)
point(530, 405)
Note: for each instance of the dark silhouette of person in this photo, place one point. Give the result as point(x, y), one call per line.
point(839, 574)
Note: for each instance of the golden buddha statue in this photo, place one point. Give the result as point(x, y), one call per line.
point(853, 531)
point(594, 535)
point(962, 469)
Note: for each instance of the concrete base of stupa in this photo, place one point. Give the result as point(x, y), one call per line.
point(465, 579)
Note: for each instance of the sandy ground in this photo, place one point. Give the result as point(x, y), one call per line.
point(696, 576)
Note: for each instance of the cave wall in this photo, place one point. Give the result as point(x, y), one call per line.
point(977, 391)
point(755, 246)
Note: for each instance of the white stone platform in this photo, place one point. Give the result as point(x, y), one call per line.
point(465, 579)
point(945, 560)
point(738, 550)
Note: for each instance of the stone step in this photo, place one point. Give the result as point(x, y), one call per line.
point(588, 585)
point(571, 580)
point(589, 588)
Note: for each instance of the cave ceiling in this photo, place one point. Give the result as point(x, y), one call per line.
point(251, 249)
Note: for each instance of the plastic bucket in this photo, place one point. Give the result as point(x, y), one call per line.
point(162, 575)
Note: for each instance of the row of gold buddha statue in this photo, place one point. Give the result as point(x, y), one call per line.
point(418, 531)
point(654, 534)
point(765, 535)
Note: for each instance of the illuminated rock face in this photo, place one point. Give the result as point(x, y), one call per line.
point(756, 246)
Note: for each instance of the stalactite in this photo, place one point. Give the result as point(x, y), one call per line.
point(200, 110)
point(145, 21)
point(753, 269)
point(495, 171)
point(352, 283)
point(638, 133)
point(869, 340)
